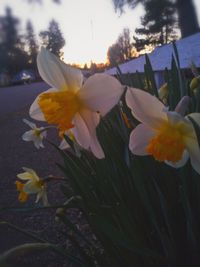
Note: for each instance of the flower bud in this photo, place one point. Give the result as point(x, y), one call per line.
point(163, 92)
point(195, 83)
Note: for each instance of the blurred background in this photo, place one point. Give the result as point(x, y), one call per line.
point(89, 34)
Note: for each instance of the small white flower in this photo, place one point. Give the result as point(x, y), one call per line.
point(36, 135)
point(33, 185)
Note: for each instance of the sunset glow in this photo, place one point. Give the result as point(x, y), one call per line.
point(89, 27)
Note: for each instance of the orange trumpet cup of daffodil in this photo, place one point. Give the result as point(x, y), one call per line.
point(72, 103)
point(166, 135)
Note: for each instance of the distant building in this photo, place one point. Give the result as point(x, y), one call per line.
point(188, 50)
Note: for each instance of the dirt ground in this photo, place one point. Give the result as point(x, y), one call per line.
point(14, 154)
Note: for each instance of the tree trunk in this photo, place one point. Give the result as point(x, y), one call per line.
point(188, 22)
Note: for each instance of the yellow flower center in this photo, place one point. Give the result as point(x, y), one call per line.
point(37, 133)
point(168, 144)
point(60, 107)
point(39, 184)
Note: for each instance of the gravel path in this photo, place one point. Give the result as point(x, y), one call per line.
point(14, 154)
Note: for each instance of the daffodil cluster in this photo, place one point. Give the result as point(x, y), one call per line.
point(166, 135)
point(36, 135)
point(76, 106)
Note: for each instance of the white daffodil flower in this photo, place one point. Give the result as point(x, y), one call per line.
point(34, 185)
point(166, 135)
point(70, 103)
point(36, 135)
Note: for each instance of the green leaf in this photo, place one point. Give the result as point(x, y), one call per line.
point(149, 73)
point(112, 233)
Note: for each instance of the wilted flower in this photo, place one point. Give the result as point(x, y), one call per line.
point(166, 135)
point(72, 104)
point(36, 135)
point(33, 185)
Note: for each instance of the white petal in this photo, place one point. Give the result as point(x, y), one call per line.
point(32, 173)
point(39, 196)
point(57, 73)
point(64, 145)
point(96, 148)
point(91, 119)
point(29, 174)
point(101, 92)
point(42, 195)
point(29, 123)
point(35, 111)
point(139, 139)
point(195, 117)
point(80, 131)
point(182, 105)
point(38, 143)
point(179, 163)
point(145, 107)
point(43, 134)
point(192, 146)
point(41, 145)
point(28, 136)
point(24, 176)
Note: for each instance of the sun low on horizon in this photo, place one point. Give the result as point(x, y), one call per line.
point(89, 27)
point(98, 27)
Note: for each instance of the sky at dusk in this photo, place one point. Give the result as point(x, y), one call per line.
point(88, 26)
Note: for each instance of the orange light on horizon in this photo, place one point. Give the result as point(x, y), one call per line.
point(81, 64)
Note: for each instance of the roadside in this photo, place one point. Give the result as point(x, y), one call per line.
point(16, 97)
point(15, 154)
